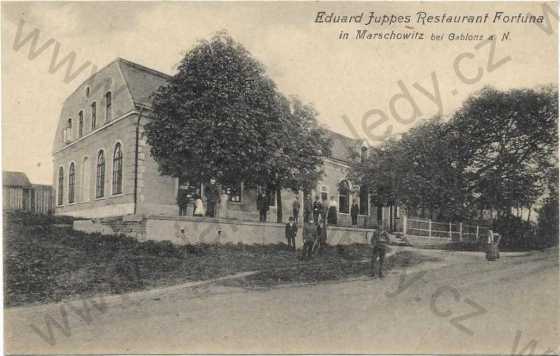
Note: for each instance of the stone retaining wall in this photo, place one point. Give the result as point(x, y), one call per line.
point(191, 230)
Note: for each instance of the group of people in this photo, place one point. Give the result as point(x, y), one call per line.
point(315, 238)
point(328, 211)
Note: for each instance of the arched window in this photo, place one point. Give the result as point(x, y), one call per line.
point(93, 115)
point(117, 169)
point(60, 186)
point(108, 107)
point(324, 193)
point(81, 124)
point(100, 182)
point(71, 182)
point(344, 197)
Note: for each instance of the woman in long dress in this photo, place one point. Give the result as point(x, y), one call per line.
point(332, 214)
point(199, 207)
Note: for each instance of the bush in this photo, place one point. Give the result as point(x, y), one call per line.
point(517, 234)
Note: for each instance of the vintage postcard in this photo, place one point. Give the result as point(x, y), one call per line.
point(280, 177)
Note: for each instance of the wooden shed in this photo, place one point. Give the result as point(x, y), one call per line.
point(20, 194)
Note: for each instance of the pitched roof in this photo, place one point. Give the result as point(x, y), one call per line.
point(142, 81)
point(341, 146)
point(15, 179)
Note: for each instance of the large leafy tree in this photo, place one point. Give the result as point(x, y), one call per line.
point(221, 117)
point(421, 171)
point(214, 118)
point(508, 141)
point(492, 155)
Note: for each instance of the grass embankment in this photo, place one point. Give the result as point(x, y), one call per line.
point(45, 261)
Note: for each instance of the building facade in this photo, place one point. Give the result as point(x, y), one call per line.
point(103, 166)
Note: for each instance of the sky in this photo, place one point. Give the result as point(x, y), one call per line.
point(360, 87)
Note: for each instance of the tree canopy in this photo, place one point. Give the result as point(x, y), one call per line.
point(491, 155)
point(222, 117)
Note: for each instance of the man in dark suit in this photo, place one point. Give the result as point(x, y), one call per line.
point(379, 248)
point(262, 206)
point(309, 239)
point(291, 232)
point(317, 209)
point(354, 211)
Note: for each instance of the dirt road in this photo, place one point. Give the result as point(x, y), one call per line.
point(462, 304)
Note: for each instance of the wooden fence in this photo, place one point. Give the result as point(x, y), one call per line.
point(442, 230)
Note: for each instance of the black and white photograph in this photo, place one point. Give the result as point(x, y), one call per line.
point(280, 177)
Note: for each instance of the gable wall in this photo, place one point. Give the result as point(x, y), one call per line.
point(86, 204)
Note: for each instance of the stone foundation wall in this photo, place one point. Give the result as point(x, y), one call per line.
point(191, 230)
point(131, 226)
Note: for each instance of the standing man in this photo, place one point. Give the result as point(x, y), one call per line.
point(212, 198)
point(295, 209)
point(379, 249)
point(317, 209)
point(354, 211)
point(262, 206)
point(309, 237)
point(291, 232)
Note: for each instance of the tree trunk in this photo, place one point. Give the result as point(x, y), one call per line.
point(278, 205)
point(391, 218)
point(529, 214)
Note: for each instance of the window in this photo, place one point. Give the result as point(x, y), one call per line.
point(81, 124)
point(100, 182)
point(117, 169)
point(344, 197)
point(71, 182)
point(87, 92)
point(108, 107)
point(364, 201)
point(324, 193)
point(93, 115)
point(234, 192)
point(60, 186)
point(67, 133)
point(363, 154)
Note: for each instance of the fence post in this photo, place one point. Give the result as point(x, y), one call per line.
point(450, 232)
point(477, 232)
point(405, 222)
point(460, 231)
point(429, 228)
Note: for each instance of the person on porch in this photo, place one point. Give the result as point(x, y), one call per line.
point(212, 198)
point(262, 206)
point(333, 211)
point(354, 211)
point(198, 207)
point(317, 209)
